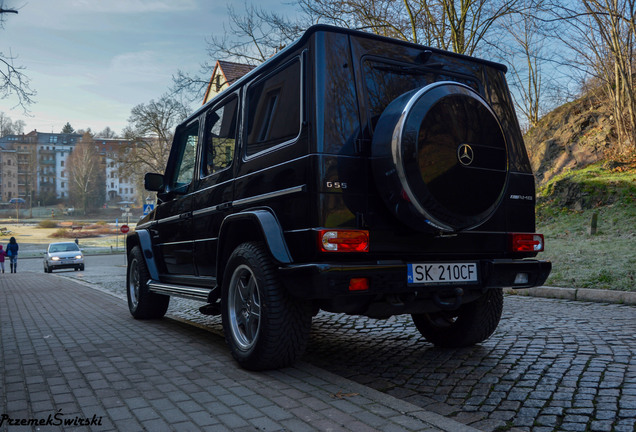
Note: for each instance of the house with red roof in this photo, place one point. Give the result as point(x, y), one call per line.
point(225, 74)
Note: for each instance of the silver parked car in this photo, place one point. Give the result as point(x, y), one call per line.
point(63, 255)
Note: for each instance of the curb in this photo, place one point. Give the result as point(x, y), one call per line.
point(444, 424)
point(579, 294)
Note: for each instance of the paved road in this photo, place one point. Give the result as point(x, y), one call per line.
point(552, 365)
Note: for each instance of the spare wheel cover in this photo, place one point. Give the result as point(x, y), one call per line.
point(439, 158)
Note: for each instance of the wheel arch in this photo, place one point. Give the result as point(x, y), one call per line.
point(142, 239)
point(251, 225)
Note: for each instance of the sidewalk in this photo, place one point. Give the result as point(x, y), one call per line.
point(72, 355)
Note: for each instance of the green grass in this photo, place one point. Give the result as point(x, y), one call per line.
point(605, 260)
point(593, 186)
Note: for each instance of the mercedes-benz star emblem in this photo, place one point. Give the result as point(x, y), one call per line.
point(465, 154)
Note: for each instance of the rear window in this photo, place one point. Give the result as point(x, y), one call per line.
point(273, 109)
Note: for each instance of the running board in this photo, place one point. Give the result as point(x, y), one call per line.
point(179, 290)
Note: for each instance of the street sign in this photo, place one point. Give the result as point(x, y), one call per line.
point(124, 229)
point(148, 208)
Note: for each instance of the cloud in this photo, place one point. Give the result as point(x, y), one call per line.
point(138, 66)
point(135, 6)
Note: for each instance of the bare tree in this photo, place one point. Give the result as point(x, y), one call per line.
point(254, 35)
point(602, 34)
point(459, 26)
point(397, 19)
point(9, 127)
point(250, 37)
point(107, 133)
point(151, 129)
point(87, 182)
point(13, 81)
point(524, 51)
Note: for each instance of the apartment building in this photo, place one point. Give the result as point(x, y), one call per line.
point(35, 166)
point(118, 186)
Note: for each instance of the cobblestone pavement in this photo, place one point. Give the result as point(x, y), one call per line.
point(552, 365)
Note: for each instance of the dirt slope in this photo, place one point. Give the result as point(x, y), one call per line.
point(571, 137)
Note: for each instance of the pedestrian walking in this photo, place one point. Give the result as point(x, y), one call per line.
point(3, 253)
point(12, 253)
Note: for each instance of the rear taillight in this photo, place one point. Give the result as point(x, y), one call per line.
point(523, 242)
point(343, 240)
point(358, 284)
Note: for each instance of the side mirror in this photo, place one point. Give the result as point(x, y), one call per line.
point(153, 182)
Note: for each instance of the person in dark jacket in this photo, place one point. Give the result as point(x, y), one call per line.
point(12, 253)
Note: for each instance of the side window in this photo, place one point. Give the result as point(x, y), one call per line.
point(221, 137)
point(273, 114)
point(187, 153)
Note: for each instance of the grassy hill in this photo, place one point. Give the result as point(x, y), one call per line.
point(577, 180)
point(567, 205)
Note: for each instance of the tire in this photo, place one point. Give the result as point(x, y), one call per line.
point(439, 158)
point(142, 303)
point(472, 323)
point(264, 327)
point(81, 267)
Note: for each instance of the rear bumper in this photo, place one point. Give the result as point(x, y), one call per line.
point(331, 280)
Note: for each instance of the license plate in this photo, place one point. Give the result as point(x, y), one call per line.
point(442, 273)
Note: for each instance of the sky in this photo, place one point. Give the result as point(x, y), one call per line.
point(92, 61)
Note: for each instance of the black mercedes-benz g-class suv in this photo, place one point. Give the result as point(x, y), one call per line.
point(350, 173)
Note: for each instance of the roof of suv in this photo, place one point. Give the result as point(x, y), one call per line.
point(332, 29)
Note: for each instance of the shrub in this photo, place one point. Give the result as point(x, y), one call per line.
point(61, 233)
point(47, 224)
